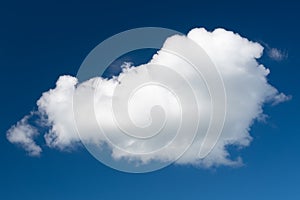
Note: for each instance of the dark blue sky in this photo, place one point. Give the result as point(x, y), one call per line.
point(41, 41)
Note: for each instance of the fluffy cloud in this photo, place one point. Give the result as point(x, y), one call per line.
point(244, 79)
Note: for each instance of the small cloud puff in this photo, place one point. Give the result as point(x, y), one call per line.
point(276, 54)
point(23, 134)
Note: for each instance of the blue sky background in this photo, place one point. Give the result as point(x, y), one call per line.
point(41, 41)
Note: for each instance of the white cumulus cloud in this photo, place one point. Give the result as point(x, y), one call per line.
point(245, 81)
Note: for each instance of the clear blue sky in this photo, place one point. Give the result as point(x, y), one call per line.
point(41, 41)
